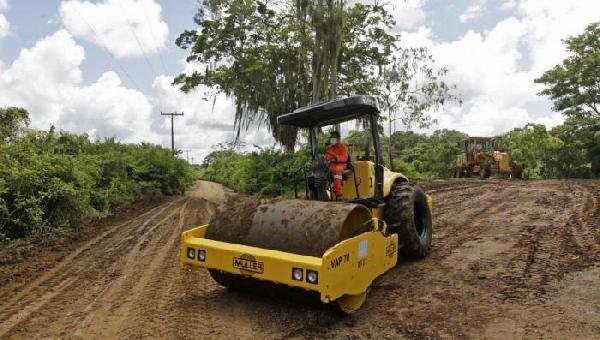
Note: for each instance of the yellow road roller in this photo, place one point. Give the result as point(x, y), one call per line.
point(329, 243)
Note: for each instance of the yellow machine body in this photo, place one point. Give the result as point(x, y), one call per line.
point(502, 160)
point(484, 156)
point(339, 246)
point(365, 178)
point(344, 272)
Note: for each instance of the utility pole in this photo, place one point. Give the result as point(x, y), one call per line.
point(187, 155)
point(172, 114)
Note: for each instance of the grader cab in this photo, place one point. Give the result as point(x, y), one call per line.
point(485, 157)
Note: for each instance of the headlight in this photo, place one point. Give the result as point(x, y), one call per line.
point(191, 253)
point(297, 274)
point(201, 255)
point(312, 276)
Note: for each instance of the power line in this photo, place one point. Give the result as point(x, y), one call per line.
point(137, 39)
point(162, 62)
point(96, 35)
point(130, 25)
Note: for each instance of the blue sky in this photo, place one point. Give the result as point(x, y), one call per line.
point(104, 67)
point(32, 20)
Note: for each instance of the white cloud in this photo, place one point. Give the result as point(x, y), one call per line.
point(408, 14)
point(120, 26)
point(486, 64)
point(4, 26)
point(46, 80)
point(509, 4)
point(106, 108)
point(549, 22)
point(485, 118)
point(421, 37)
point(42, 77)
point(207, 120)
point(475, 10)
point(495, 92)
point(495, 70)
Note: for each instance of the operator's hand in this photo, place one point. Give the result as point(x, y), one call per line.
point(332, 157)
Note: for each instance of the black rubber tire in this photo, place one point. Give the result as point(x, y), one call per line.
point(485, 171)
point(248, 285)
point(222, 278)
point(408, 215)
point(456, 172)
point(516, 171)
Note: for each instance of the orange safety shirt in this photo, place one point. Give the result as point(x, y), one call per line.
point(337, 155)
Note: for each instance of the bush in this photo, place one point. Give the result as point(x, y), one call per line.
point(264, 172)
point(54, 180)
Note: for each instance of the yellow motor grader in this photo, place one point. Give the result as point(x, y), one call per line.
point(332, 249)
point(483, 157)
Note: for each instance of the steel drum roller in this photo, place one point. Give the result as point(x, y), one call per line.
point(295, 226)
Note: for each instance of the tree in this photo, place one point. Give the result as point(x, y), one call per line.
point(575, 84)
point(275, 56)
point(440, 153)
point(578, 154)
point(594, 153)
point(535, 148)
point(410, 87)
point(12, 121)
point(401, 140)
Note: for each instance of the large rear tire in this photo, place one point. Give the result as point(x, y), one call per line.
point(516, 171)
point(456, 172)
point(407, 214)
point(485, 171)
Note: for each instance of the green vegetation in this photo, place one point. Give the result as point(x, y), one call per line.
point(12, 121)
point(264, 172)
point(275, 56)
point(570, 150)
point(573, 85)
point(271, 171)
point(420, 156)
point(52, 180)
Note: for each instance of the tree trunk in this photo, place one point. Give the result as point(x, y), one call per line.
point(390, 141)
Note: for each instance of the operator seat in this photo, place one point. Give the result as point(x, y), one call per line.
point(349, 168)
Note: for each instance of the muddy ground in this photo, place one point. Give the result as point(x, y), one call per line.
point(510, 259)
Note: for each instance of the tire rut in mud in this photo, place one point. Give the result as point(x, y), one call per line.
point(102, 275)
point(502, 250)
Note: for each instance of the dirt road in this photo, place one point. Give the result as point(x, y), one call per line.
point(510, 260)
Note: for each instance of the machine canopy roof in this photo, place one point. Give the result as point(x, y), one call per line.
point(332, 112)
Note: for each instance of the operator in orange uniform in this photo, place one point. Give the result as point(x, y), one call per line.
point(337, 156)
